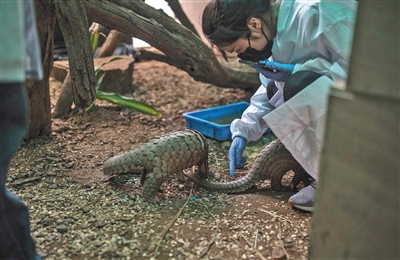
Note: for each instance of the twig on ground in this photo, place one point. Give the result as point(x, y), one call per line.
point(217, 162)
point(255, 239)
point(258, 252)
point(171, 223)
point(280, 239)
point(275, 215)
point(209, 246)
point(26, 180)
point(215, 234)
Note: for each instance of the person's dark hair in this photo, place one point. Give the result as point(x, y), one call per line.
point(225, 21)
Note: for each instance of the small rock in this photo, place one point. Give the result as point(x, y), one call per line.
point(86, 209)
point(288, 240)
point(62, 228)
point(69, 165)
point(304, 234)
point(46, 221)
point(29, 196)
point(84, 226)
point(53, 186)
point(100, 223)
point(98, 243)
point(51, 238)
point(69, 221)
point(277, 253)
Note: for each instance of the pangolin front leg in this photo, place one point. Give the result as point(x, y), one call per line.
point(150, 188)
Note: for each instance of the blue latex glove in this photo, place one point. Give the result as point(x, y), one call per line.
point(236, 160)
point(274, 70)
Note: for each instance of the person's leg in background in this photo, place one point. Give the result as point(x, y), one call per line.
point(298, 81)
point(15, 239)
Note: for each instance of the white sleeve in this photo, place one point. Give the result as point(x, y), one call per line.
point(334, 71)
point(251, 126)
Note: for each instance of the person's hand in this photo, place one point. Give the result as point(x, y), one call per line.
point(274, 70)
point(236, 160)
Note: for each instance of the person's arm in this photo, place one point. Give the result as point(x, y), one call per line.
point(339, 55)
point(331, 43)
point(338, 41)
point(337, 71)
point(251, 126)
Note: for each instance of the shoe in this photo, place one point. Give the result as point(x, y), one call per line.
point(304, 199)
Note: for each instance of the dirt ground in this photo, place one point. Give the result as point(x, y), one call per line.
point(76, 214)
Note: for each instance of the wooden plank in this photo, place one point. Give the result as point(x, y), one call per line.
point(357, 211)
point(357, 206)
point(376, 50)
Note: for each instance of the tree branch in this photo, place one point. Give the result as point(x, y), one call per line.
point(180, 14)
point(184, 49)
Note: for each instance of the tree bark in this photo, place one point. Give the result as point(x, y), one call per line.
point(182, 48)
point(38, 90)
point(180, 14)
point(65, 99)
point(73, 23)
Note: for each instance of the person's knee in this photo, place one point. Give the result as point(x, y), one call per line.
point(13, 104)
point(297, 82)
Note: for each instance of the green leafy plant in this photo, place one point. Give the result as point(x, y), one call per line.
point(116, 98)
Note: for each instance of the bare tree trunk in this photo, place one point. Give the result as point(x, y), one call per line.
point(73, 23)
point(79, 84)
point(38, 91)
point(65, 99)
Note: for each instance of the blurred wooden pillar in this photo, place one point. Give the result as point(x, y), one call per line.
point(38, 90)
point(358, 199)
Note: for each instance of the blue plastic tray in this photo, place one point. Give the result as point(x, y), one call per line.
point(215, 122)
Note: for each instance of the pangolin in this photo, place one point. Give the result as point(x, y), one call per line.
point(161, 157)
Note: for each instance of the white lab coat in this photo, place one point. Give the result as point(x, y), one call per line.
point(314, 35)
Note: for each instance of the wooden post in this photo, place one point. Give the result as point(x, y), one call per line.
point(73, 23)
point(357, 207)
point(38, 90)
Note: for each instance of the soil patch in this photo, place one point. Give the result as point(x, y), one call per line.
point(76, 214)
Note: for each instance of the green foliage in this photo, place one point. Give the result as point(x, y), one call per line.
point(116, 98)
point(94, 39)
point(128, 102)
